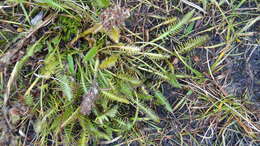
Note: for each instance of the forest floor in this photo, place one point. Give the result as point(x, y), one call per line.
point(130, 72)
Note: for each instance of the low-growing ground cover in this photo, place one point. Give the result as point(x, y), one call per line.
point(138, 72)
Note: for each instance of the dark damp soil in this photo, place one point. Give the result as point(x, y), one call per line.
point(245, 73)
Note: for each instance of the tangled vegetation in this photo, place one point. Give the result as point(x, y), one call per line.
point(141, 72)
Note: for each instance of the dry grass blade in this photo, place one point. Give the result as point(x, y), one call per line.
point(194, 5)
point(5, 60)
point(249, 122)
point(17, 68)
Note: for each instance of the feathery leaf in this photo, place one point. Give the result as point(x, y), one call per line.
point(114, 97)
point(129, 78)
point(163, 101)
point(65, 85)
point(110, 113)
point(191, 44)
point(109, 62)
point(148, 111)
point(176, 27)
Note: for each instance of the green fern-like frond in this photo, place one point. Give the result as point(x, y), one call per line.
point(170, 28)
point(65, 85)
point(29, 100)
point(163, 101)
point(114, 97)
point(191, 44)
point(51, 65)
point(129, 78)
point(125, 88)
point(175, 28)
point(156, 56)
point(109, 113)
point(54, 4)
point(168, 21)
point(109, 62)
point(124, 124)
point(173, 80)
point(148, 111)
point(92, 129)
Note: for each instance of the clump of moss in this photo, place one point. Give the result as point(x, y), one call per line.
point(69, 27)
